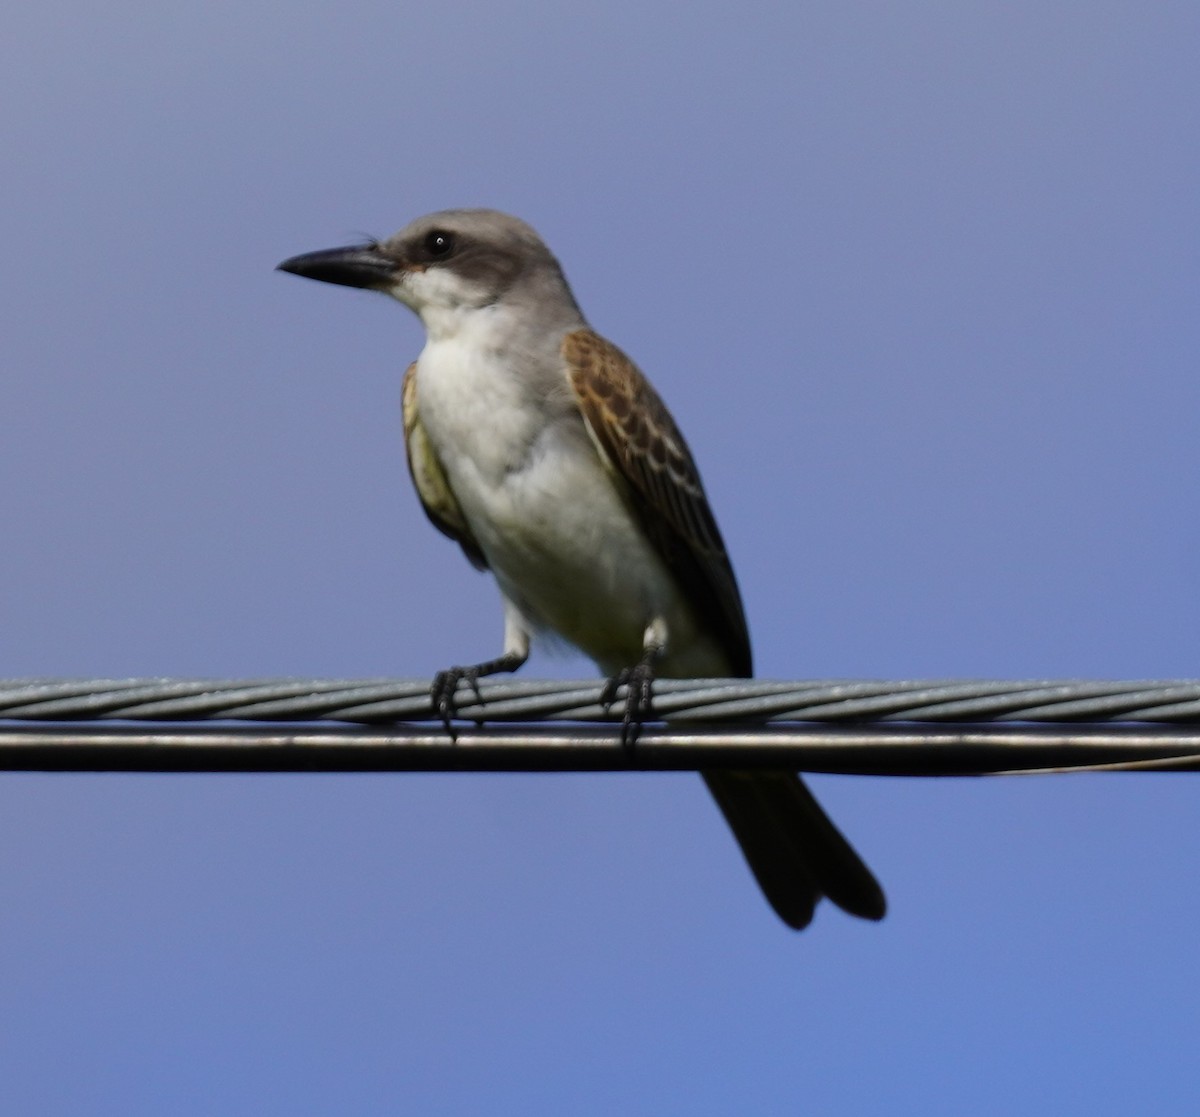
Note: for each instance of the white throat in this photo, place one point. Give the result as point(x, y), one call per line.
point(445, 304)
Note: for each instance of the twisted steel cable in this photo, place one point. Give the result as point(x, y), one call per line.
point(380, 701)
point(897, 728)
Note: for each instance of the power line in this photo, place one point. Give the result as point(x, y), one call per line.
point(852, 727)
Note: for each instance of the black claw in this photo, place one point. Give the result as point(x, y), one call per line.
point(639, 699)
point(608, 695)
point(472, 677)
point(443, 693)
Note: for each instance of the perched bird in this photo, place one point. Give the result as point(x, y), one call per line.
point(542, 450)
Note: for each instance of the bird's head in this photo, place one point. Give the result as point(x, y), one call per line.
point(446, 265)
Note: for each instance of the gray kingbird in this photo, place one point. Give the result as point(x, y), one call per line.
point(542, 450)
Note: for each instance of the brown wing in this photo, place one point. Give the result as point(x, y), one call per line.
point(429, 479)
point(642, 444)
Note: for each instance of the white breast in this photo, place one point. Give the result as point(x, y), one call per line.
point(550, 519)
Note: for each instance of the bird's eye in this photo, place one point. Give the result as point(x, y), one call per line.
point(439, 243)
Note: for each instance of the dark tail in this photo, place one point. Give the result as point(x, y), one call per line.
point(795, 852)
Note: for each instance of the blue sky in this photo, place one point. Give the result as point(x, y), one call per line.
point(919, 283)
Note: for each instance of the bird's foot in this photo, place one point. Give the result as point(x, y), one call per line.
point(443, 694)
point(639, 698)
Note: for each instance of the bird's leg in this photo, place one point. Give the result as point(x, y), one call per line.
point(445, 683)
point(639, 683)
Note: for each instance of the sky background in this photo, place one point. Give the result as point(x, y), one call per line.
point(919, 282)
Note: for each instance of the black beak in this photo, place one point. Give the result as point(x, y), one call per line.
point(363, 265)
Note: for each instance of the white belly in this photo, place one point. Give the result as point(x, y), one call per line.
point(550, 519)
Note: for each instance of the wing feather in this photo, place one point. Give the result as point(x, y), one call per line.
point(429, 479)
point(641, 443)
